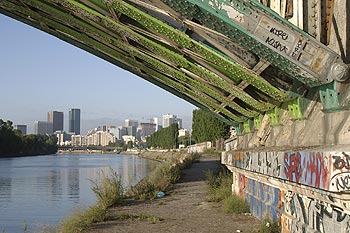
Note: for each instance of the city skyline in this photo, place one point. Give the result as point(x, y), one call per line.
point(66, 118)
point(41, 73)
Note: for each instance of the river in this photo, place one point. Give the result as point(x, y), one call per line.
point(39, 191)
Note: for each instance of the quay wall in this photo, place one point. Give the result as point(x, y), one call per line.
point(306, 191)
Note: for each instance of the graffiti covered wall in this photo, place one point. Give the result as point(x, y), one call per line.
point(296, 212)
point(322, 170)
point(325, 173)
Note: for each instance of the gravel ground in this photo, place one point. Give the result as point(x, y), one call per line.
point(185, 209)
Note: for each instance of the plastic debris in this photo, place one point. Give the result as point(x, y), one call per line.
point(160, 194)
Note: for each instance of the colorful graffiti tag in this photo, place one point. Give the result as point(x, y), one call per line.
point(340, 174)
point(328, 172)
point(265, 201)
point(296, 212)
point(304, 214)
point(322, 170)
point(309, 168)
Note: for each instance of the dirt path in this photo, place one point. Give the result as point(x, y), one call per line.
point(186, 209)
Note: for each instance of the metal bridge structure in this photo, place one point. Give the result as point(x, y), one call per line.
point(276, 70)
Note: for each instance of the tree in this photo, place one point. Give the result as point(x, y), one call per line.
point(206, 127)
point(166, 138)
point(12, 142)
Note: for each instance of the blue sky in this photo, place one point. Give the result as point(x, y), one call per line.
point(40, 73)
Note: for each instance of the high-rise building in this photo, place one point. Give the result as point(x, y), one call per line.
point(147, 129)
point(56, 118)
point(63, 137)
point(131, 130)
point(129, 122)
point(22, 128)
point(154, 120)
point(43, 127)
point(170, 119)
point(74, 121)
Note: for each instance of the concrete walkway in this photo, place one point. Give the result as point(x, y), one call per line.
point(186, 209)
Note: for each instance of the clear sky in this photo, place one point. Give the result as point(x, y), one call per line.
point(40, 73)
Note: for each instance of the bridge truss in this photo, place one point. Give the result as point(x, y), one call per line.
point(237, 59)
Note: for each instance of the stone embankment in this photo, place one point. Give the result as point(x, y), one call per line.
point(185, 209)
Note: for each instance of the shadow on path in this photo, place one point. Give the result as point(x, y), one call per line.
point(198, 170)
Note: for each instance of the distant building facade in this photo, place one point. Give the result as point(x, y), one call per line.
point(74, 121)
point(99, 138)
point(129, 123)
point(43, 127)
point(170, 119)
point(78, 140)
point(128, 138)
point(62, 137)
point(22, 128)
point(131, 130)
point(183, 132)
point(56, 118)
point(155, 121)
point(147, 129)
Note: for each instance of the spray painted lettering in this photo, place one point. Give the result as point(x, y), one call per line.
point(279, 33)
point(301, 214)
point(341, 182)
point(276, 44)
point(341, 162)
point(292, 166)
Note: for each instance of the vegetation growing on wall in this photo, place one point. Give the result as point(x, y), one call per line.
point(206, 127)
point(166, 138)
point(13, 143)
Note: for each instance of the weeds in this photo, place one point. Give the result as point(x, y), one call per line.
point(143, 190)
point(235, 204)
point(142, 217)
point(219, 185)
point(109, 190)
point(268, 226)
point(82, 219)
point(220, 190)
point(162, 179)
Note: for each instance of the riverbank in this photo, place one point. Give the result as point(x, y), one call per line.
point(185, 209)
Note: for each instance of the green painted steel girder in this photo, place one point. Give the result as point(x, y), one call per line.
point(264, 33)
point(129, 35)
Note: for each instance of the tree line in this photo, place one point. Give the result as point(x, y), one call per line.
point(205, 127)
point(166, 138)
point(14, 143)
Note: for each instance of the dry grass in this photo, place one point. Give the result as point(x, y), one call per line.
point(81, 219)
point(220, 191)
point(162, 179)
point(109, 192)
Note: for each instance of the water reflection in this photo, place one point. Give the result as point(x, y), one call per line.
point(43, 189)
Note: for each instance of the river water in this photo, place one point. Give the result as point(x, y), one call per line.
point(39, 191)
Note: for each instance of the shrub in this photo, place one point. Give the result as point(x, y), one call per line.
point(143, 190)
point(109, 190)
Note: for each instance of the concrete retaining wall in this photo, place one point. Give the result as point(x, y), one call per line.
point(307, 191)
